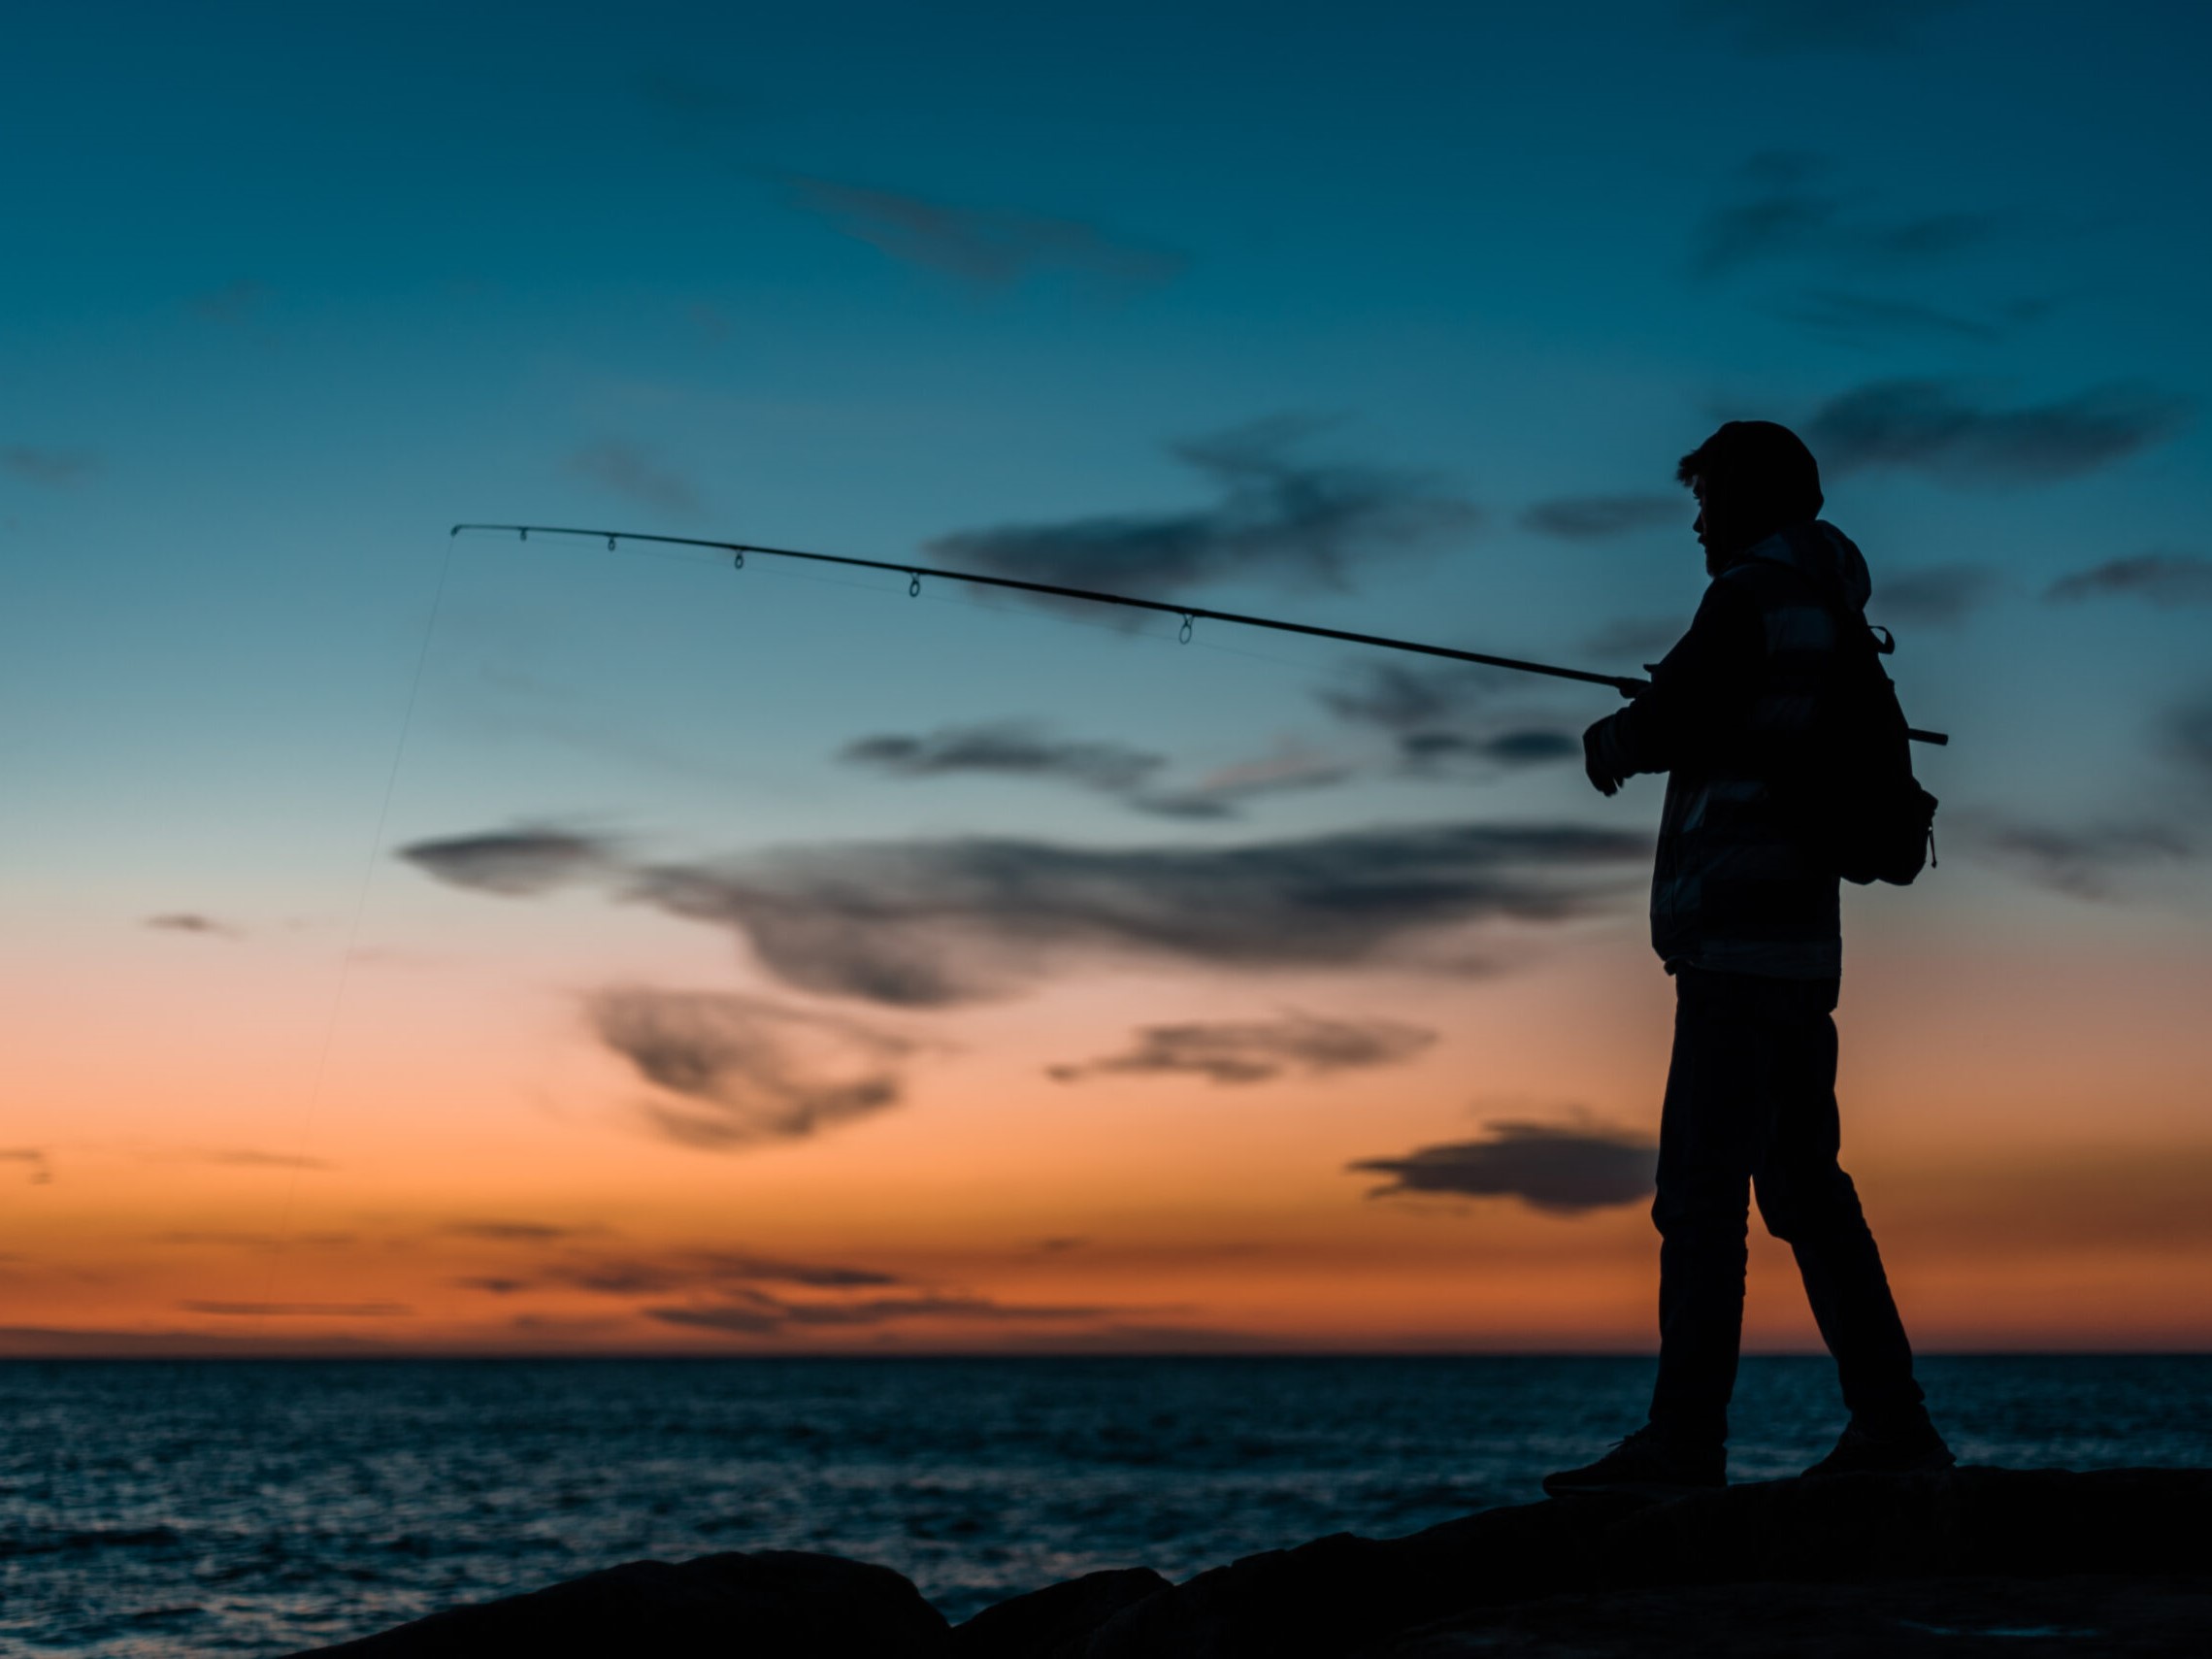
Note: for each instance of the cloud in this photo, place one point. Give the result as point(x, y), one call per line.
point(992, 249)
point(512, 1232)
point(512, 863)
point(1789, 211)
point(1769, 26)
point(747, 1070)
point(493, 1285)
point(2081, 863)
point(301, 1310)
point(1930, 427)
point(1278, 517)
point(190, 921)
point(246, 1158)
point(924, 924)
point(1943, 596)
point(1593, 517)
point(2189, 736)
point(760, 1315)
point(1253, 1052)
point(1522, 746)
point(35, 1160)
point(1560, 1169)
point(1221, 793)
point(629, 472)
point(1644, 639)
point(52, 468)
point(2161, 579)
point(1860, 316)
point(1013, 749)
point(1398, 697)
point(231, 304)
point(1010, 749)
point(705, 1269)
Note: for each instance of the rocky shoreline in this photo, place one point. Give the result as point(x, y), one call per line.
point(1972, 1561)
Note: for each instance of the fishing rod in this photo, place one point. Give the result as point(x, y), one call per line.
point(1628, 686)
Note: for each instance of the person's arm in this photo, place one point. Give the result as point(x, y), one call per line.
point(1697, 693)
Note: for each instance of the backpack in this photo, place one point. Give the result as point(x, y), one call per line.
point(1854, 797)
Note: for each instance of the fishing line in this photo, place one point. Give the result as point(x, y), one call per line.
point(281, 1235)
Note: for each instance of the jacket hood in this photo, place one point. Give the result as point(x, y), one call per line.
point(1823, 552)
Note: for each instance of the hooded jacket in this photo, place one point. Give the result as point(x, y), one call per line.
point(1735, 888)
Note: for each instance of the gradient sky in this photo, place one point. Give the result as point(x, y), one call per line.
point(769, 962)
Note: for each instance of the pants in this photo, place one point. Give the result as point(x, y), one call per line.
point(1751, 1103)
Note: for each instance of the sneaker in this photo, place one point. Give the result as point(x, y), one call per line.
point(1915, 1448)
point(1645, 1465)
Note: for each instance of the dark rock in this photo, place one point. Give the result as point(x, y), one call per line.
point(1972, 1561)
point(1056, 1619)
point(773, 1605)
point(1345, 1595)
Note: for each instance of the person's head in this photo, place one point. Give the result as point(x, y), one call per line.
point(1752, 478)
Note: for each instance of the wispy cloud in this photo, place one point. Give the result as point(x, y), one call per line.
point(1509, 750)
point(512, 863)
point(1790, 208)
point(190, 921)
point(2166, 580)
point(249, 1158)
point(2188, 735)
point(1278, 517)
point(2085, 862)
point(1595, 518)
point(34, 1159)
point(1771, 27)
point(512, 1232)
point(1640, 639)
point(990, 247)
point(1564, 1169)
point(301, 1310)
point(1256, 1051)
point(1017, 749)
point(704, 1271)
point(34, 463)
point(1932, 427)
point(1398, 697)
point(629, 472)
point(760, 1315)
point(934, 924)
point(1857, 316)
point(745, 1070)
point(1943, 596)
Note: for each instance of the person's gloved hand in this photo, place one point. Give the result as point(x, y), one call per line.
point(1596, 762)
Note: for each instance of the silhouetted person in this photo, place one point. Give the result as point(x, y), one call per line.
point(1746, 918)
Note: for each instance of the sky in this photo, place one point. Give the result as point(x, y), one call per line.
point(417, 942)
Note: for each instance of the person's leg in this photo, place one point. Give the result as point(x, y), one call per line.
point(1713, 1120)
point(1809, 1202)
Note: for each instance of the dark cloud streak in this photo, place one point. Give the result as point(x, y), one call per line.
point(1278, 517)
point(1253, 1052)
point(991, 249)
point(2166, 580)
point(1561, 1168)
point(1931, 427)
point(512, 863)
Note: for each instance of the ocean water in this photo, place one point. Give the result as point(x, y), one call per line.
point(157, 1509)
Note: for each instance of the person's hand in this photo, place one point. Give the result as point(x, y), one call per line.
point(1594, 763)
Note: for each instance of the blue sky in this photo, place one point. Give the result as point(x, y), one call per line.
point(287, 293)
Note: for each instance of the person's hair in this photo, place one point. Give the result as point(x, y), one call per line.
point(1763, 473)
